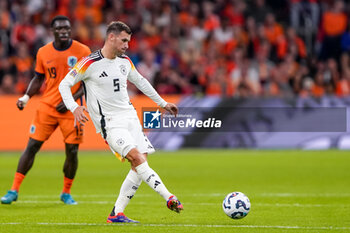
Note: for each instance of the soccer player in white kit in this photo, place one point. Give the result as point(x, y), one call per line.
point(105, 74)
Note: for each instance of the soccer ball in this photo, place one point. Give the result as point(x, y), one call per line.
point(236, 205)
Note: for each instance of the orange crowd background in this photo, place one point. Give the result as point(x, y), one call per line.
point(231, 48)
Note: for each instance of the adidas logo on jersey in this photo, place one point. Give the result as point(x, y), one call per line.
point(104, 74)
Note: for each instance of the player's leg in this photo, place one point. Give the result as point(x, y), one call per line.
point(25, 163)
point(42, 127)
point(69, 169)
point(131, 182)
point(73, 136)
point(118, 138)
point(122, 140)
point(148, 175)
point(71, 163)
point(142, 168)
point(128, 189)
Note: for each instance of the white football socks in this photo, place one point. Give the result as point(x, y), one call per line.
point(127, 191)
point(153, 180)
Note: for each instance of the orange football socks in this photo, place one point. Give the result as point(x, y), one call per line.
point(67, 184)
point(17, 181)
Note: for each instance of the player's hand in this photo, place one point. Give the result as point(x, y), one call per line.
point(61, 108)
point(20, 105)
point(21, 102)
point(172, 108)
point(79, 115)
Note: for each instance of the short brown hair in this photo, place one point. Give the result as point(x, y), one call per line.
point(118, 27)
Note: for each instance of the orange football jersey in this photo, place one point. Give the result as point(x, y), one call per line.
point(55, 64)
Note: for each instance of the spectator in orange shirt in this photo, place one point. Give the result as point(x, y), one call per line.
point(334, 24)
point(317, 89)
point(234, 12)
point(287, 44)
point(5, 18)
point(89, 33)
point(90, 9)
point(334, 21)
point(23, 31)
point(23, 60)
point(273, 30)
point(211, 21)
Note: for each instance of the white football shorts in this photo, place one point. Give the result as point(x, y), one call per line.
point(125, 134)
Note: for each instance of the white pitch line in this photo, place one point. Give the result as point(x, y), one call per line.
point(206, 195)
point(182, 225)
point(303, 194)
point(188, 203)
point(59, 202)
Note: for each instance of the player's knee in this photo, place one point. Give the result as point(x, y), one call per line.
point(72, 149)
point(32, 150)
point(135, 157)
point(33, 147)
point(72, 152)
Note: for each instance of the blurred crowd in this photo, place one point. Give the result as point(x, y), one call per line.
point(251, 48)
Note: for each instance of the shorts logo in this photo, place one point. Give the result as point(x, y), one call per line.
point(122, 69)
point(151, 119)
point(72, 61)
point(120, 142)
point(32, 129)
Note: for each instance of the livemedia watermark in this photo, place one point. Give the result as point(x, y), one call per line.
point(246, 120)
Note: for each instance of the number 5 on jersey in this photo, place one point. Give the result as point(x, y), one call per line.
point(116, 84)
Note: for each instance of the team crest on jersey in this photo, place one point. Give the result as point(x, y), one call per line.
point(122, 69)
point(72, 61)
point(32, 129)
point(120, 142)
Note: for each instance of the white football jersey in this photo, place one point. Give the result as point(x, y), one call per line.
point(105, 83)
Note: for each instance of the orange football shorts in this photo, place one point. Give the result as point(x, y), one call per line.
point(45, 124)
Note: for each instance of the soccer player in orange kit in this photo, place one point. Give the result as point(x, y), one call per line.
point(53, 62)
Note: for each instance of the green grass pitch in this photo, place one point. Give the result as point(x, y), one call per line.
point(289, 190)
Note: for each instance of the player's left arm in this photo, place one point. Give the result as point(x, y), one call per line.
point(172, 108)
point(143, 85)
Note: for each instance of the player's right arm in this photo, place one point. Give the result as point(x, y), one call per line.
point(73, 77)
point(36, 82)
point(85, 51)
point(33, 88)
point(61, 107)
